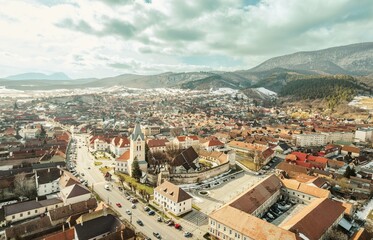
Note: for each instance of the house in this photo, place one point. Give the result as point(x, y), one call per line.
point(364, 135)
point(184, 142)
point(157, 145)
point(302, 192)
point(97, 228)
point(29, 229)
point(61, 214)
point(121, 163)
point(47, 181)
point(316, 219)
point(351, 151)
point(74, 193)
point(186, 161)
point(212, 144)
point(172, 198)
point(119, 145)
point(29, 209)
point(67, 179)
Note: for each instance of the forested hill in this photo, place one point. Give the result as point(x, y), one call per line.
point(333, 89)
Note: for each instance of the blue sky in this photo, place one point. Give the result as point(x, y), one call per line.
point(100, 38)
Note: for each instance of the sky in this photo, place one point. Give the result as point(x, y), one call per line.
point(102, 38)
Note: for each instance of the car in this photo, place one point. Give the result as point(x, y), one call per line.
point(146, 208)
point(128, 197)
point(89, 168)
point(107, 187)
point(188, 234)
point(128, 212)
point(170, 223)
point(133, 206)
point(118, 205)
point(159, 219)
point(82, 174)
point(157, 235)
point(178, 226)
point(151, 213)
point(134, 200)
point(120, 188)
point(140, 222)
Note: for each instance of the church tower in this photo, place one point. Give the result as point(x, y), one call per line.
point(137, 149)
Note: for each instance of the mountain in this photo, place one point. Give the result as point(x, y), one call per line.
point(38, 76)
point(274, 74)
point(355, 59)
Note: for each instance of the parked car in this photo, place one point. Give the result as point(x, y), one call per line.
point(178, 226)
point(128, 212)
point(188, 234)
point(146, 208)
point(157, 235)
point(118, 205)
point(151, 213)
point(170, 223)
point(133, 206)
point(140, 222)
point(159, 219)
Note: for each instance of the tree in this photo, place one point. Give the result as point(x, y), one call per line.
point(136, 171)
point(349, 172)
point(24, 186)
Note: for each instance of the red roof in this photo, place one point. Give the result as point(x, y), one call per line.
point(157, 143)
point(214, 142)
point(124, 157)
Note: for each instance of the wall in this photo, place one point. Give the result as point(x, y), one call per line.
point(198, 176)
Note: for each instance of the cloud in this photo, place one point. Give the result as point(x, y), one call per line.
point(106, 37)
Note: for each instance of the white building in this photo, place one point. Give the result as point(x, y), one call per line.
point(29, 209)
point(332, 137)
point(305, 140)
point(74, 193)
point(364, 135)
point(47, 181)
point(119, 145)
point(184, 142)
point(172, 198)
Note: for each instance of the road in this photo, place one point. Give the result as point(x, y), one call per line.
point(85, 164)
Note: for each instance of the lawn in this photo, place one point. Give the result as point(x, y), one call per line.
point(370, 215)
point(138, 185)
point(247, 163)
point(98, 163)
point(105, 169)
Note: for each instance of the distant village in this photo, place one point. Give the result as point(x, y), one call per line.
point(128, 166)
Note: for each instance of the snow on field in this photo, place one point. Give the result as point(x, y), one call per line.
point(223, 91)
point(265, 91)
point(367, 208)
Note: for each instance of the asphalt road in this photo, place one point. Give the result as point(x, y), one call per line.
point(85, 164)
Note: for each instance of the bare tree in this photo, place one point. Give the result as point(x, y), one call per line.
point(24, 186)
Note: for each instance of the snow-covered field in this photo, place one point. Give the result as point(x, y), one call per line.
point(265, 91)
point(362, 102)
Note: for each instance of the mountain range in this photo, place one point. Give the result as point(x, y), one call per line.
point(354, 60)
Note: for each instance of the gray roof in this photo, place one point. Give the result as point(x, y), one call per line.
point(137, 132)
point(97, 227)
point(48, 175)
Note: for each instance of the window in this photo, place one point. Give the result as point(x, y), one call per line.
point(28, 213)
point(13, 217)
point(21, 214)
point(36, 211)
point(224, 229)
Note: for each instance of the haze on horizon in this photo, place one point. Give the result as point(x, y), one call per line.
point(100, 38)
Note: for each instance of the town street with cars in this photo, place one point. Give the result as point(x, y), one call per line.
point(81, 164)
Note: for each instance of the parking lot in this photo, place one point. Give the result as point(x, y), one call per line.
point(219, 194)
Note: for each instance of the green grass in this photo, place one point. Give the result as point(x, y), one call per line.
point(98, 163)
point(370, 215)
point(196, 207)
point(249, 164)
point(105, 169)
point(138, 185)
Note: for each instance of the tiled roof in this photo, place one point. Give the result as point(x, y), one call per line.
point(304, 188)
point(124, 157)
point(172, 192)
point(316, 218)
point(185, 159)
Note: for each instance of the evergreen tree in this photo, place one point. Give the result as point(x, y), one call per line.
point(136, 171)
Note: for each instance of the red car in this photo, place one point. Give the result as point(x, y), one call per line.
point(119, 205)
point(177, 226)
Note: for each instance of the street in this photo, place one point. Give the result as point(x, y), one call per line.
point(85, 165)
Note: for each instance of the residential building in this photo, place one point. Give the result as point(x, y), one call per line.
point(186, 161)
point(157, 145)
point(184, 142)
point(364, 135)
point(29, 209)
point(306, 140)
point(74, 193)
point(119, 145)
point(172, 198)
point(47, 181)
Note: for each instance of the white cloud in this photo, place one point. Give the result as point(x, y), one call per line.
point(104, 37)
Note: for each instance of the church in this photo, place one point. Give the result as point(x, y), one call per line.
point(136, 152)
